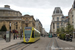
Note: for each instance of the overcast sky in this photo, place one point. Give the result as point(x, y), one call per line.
point(40, 9)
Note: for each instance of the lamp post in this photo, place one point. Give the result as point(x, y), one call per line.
point(8, 34)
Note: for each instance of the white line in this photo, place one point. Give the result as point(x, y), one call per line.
point(52, 47)
point(47, 48)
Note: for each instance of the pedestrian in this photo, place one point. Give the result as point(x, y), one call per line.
point(5, 37)
point(20, 36)
point(16, 36)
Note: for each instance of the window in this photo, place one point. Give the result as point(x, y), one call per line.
point(72, 15)
point(57, 26)
point(57, 11)
point(26, 25)
point(61, 24)
point(16, 26)
point(53, 26)
point(57, 18)
point(53, 18)
point(27, 33)
point(62, 20)
point(57, 23)
point(32, 34)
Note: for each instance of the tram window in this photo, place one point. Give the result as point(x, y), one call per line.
point(32, 34)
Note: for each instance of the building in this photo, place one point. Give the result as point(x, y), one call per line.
point(71, 15)
point(43, 32)
point(58, 20)
point(38, 26)
point(28, 21)
point(18, 22)
point(64, 21)
point(7, 16)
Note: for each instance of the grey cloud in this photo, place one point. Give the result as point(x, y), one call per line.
point(39, 3)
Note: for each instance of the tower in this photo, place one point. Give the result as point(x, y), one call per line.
point(56, 19)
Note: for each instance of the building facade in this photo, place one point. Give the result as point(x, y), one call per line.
point(58, 20)
point(15, 18)
point(7, 16)
point(28, 21)
point(44, 32)
point(71, 15)
point(38, 25)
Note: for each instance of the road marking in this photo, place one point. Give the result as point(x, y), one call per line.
point(47, 48)
point(52, 47)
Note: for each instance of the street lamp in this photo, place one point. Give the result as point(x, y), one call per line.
point(8, 34)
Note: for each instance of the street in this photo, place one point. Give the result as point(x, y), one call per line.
point(57, 44)
point(44, 43)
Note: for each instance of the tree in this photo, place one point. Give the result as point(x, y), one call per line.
point(3, 28)
point(69, 29)
point(62, 30)
point(58, 30)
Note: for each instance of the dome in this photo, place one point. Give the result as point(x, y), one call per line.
point(57, 10)
point(6, 7)
point(7, 11)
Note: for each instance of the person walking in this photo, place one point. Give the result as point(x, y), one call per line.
point(16, 36)
point(20, 36)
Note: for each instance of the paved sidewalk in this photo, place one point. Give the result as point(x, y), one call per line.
point(68, 42)
point(4, 44)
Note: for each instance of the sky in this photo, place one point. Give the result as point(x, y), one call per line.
point(40, 9)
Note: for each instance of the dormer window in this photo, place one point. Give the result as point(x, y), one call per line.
point(57, 11)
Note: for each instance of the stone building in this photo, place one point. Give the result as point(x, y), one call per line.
point(28, 21)
point(15, 18)
point(71, 15)
point(7, 16)
point(38, 26)
point(44, 32)
point(58, 20)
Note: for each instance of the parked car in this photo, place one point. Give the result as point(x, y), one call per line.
point(68, 37)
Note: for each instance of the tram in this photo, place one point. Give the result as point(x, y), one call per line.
point(30, 34)
point(50, 35)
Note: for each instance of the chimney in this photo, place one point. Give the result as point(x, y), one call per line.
point(6, 6)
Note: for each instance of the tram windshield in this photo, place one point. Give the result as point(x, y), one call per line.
point(27, 33)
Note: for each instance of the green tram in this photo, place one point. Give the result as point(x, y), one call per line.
point(50, 35)
point(30, 34)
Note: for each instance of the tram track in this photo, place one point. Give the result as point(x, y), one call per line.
point(18, 46)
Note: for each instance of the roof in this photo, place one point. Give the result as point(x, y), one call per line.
point(1, 8)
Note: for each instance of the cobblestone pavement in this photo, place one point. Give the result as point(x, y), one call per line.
point(50, 44)
point(40, 44)
point(4, 44)
point(45, 43)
